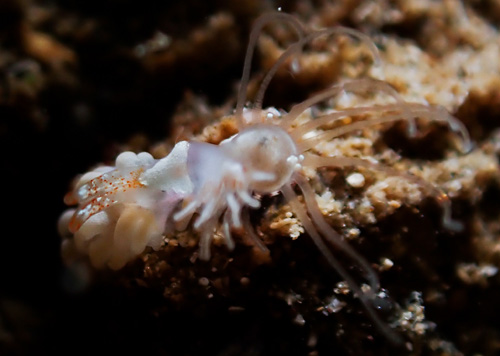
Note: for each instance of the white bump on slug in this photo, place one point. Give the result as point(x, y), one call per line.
point(170, 173)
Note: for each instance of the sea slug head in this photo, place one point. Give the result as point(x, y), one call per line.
point(268, 155)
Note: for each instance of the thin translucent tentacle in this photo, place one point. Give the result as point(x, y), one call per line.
point(207, 212)
point(456, 126)
point(186, 211)
point(206, 237)
point(248, 199)
point(359, 86)
point(327, 135)
point(254, 35)
point(418, 110)
point(205, 242)
point(314, 161)
point(249, 229)
point(227, 231)
point(365, 298)
point(297, 47)
point(235, 208)
point(331, 235)
point(314, 124)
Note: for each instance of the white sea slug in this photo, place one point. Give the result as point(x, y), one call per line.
point(123, 209)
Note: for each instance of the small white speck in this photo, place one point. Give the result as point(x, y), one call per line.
point(235, 309)
point(365, 288)
point(341, 288)
point(295, 66)
point(245, 281)
point(386, 264)
point(309, 134)
point(489, 270)
point(203, 281)
point(407, 315)
point(356, 180)
point(299, 320)
point(353, 232)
